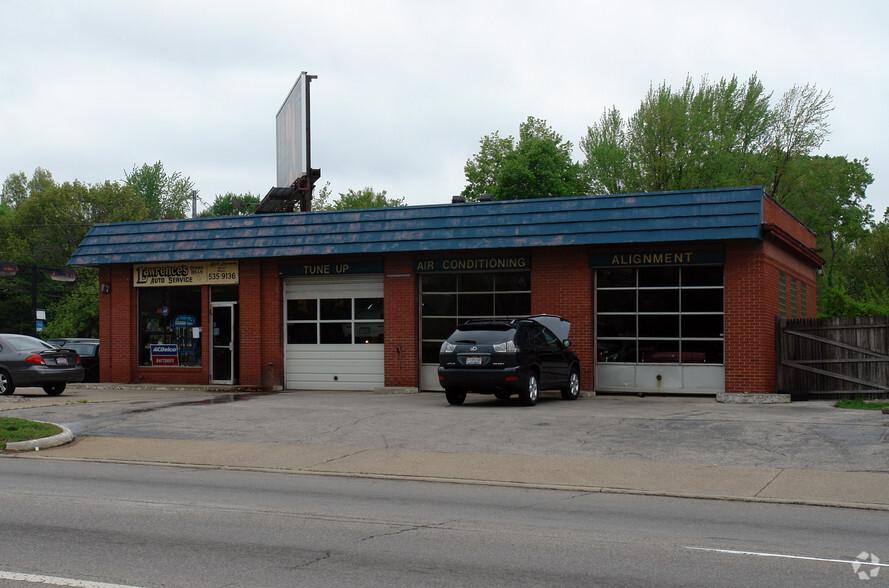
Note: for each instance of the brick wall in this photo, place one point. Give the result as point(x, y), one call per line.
point(400, 310)
point(561, 284)
point(751, 302)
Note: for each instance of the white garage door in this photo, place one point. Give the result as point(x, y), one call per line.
point(333, 333)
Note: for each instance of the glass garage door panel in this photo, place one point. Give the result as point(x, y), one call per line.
point(447, 300)
point(660, 329)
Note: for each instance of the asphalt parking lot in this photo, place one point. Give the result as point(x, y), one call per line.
point(668, 429)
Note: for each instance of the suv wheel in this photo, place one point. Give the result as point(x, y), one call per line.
point(455, 397)
point(572, 390)
point(529, 394)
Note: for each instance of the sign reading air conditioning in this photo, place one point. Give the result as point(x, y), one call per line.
point(192, 273)
point(473, 264)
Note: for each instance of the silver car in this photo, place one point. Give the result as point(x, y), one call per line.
point(28, 361)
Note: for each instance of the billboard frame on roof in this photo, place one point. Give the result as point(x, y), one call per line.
point(293, 134)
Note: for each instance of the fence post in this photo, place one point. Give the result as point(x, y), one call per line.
point(780, 324)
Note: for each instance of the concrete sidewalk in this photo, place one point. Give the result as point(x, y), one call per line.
point(814, 487)
point(393, 460)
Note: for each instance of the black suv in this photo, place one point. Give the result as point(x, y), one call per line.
point(509, 356)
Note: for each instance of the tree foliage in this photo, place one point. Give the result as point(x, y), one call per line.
point(538, 165)
point(166, 196)
point(729, 133)
point(231, 204)
point(366, 197)
point(45, 225)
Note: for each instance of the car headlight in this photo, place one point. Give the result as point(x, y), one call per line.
point(447, 347)
point(505, 347)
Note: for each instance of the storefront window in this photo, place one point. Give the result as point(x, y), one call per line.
point(169, 323)
point(660, 315)
point(334, 321)
point(450, 299)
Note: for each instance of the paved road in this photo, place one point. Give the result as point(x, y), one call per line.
point(166, 526)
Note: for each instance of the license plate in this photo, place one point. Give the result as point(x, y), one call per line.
point(473, 361)
point(61, 361)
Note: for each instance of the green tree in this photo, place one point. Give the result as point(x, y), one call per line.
point(166, 196)
point(483, 170)
point(538, 165)
point(356, 199)
point(76, 313)
point(705, 137)
point(231, 204)
point(827, 194)
point(15, 189)
point(43, 230)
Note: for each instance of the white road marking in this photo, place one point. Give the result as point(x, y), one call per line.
point(55, 581)
point(785, 556)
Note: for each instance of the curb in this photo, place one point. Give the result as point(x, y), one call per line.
point(44, 442)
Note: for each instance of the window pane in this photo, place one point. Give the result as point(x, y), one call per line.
point(658, 276)
point(702, 276)
point(336, 333)
point(512, 281)
point(439, 304)
point(476, 305)
point(336, 309)
point(430, 351)
point(302, 310)
point(368, 308)
point(702, 300)
point(658, 325)
point(616, 278)
point(659, 351)
point(702, 325)
point(477, 282)
point(438, 328)
point(658, 300)
point(512, 305)
point(616, 325)
point(224, 293)
point(302, 333)
point(702, 352)
point(438, 283)
point(616, 351)
point(368, 333)
point(616, 300)
point(168, 315)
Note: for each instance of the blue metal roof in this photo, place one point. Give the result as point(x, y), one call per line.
point(692, 215)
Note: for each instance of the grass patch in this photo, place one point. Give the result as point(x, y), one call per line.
point(861, 404)
point(13, 430)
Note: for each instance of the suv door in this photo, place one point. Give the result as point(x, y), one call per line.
point(552, 360)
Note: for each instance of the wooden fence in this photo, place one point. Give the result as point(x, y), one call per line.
point(833, 357)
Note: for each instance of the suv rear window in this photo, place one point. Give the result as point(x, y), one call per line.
point(483, 334)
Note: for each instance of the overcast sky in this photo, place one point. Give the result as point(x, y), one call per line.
point(405, 89)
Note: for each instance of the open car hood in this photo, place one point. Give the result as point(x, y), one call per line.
point(559, 326)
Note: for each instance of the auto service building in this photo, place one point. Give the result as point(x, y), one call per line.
point(672, 292)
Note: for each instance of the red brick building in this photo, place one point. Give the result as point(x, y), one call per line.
point(668, 292)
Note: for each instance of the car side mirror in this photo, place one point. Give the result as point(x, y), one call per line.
point(566, 343)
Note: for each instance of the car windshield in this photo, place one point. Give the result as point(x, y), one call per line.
point(25, 343)
point(82, 349)
point(483, 334)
